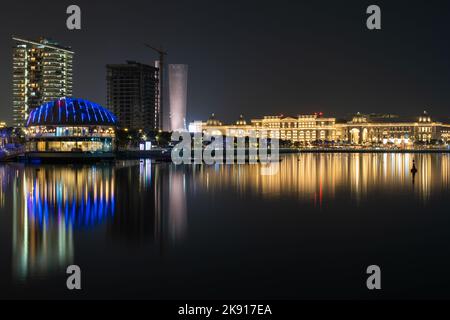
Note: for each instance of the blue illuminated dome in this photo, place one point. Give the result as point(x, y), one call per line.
point(71, 112)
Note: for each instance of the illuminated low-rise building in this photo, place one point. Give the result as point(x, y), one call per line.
point(384, 129)
point(215, 127)
point(304, 128)
point(68, 126)
point(360, 130)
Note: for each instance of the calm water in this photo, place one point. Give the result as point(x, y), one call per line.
point(143, 230)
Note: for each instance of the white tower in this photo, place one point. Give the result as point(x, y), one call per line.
point(178, 74)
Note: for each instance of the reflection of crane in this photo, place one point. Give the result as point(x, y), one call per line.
point(161, 53)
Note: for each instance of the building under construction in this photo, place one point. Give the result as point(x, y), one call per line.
point(132, 95)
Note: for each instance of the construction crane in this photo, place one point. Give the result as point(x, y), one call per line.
point(161, 53)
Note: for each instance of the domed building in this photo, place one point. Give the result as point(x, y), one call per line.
point(213, 122)
point(241, 121)
point(71, 125)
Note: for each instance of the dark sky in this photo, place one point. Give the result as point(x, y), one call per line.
point(256, 57)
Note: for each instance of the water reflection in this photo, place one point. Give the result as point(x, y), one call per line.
point(138, 203)
point(177, 206)
point(131, 202)
point(151, 203)
point(5, 176)
point(49, 204)
point(319, 178)
point(79, 197)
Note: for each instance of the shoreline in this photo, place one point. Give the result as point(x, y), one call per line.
point(166, 155)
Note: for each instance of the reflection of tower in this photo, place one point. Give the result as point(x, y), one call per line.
point(135, 219)
point(4, 182)
point(178, 74)
point(154, 210)
point(177, 205)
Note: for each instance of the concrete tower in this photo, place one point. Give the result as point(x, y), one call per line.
point(178, 75)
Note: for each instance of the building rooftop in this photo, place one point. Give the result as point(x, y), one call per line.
point(44, 42)
point(72, 112)
point(130, 64)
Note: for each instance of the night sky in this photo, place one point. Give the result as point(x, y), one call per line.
point(255, 57)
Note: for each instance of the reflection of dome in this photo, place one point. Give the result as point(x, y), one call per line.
point(68, 198)
point(71, 111)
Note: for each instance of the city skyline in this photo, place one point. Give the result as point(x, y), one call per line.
point(226, 158)
point(252, 63)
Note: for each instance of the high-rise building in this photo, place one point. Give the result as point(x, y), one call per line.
point(159, 110)
point(178, 74)
point(132, 95)
point(42, 72)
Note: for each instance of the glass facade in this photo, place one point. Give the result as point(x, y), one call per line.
point(85, 145)
point(70, 139)
point(71, 125)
